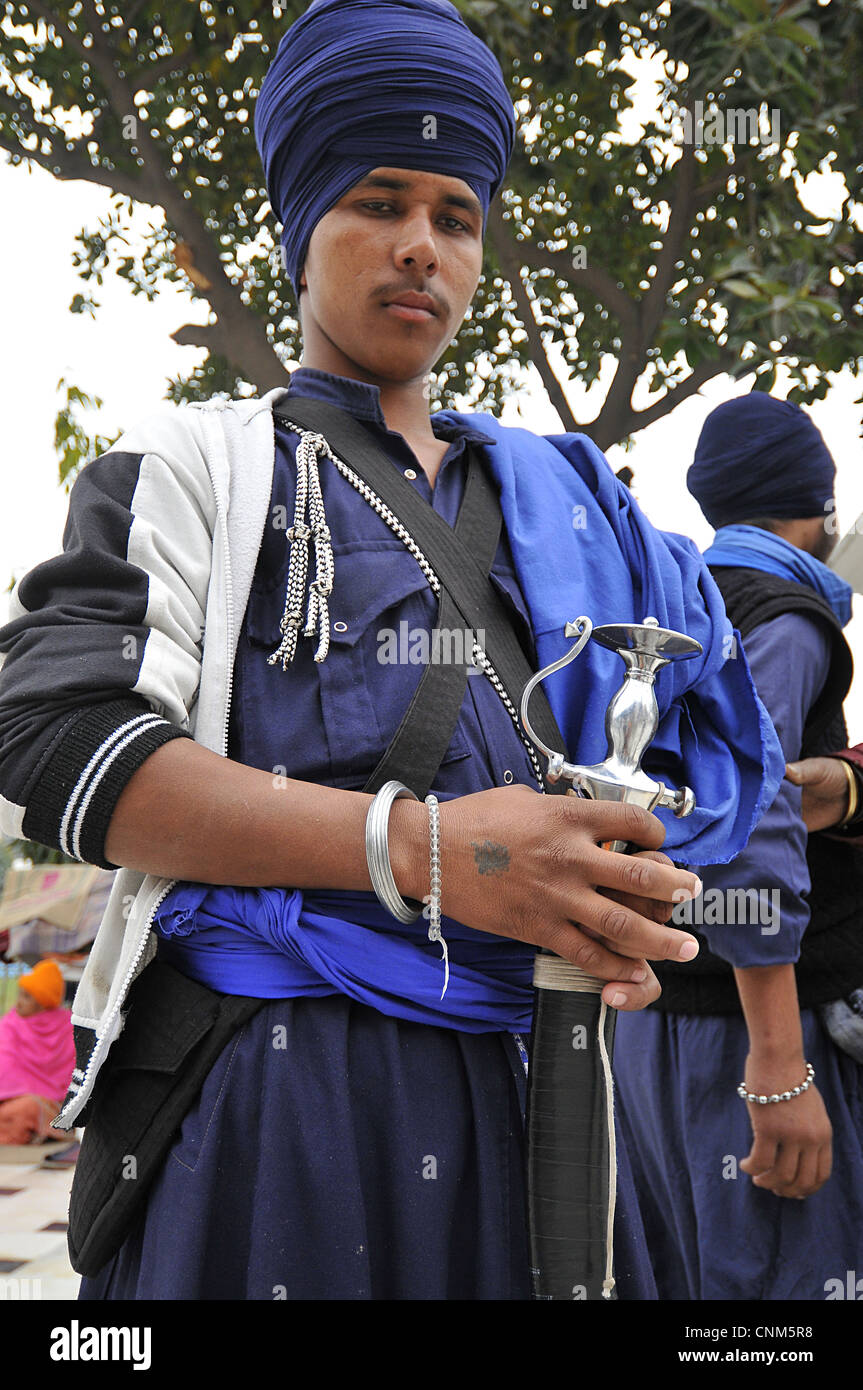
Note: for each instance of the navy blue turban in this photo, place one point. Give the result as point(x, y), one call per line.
point(353, 87)
point(758, 457)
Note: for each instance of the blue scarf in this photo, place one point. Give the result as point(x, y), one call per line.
point(751, 548)
point(580, 544)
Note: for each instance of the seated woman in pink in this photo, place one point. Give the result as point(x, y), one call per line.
point(37, 1057)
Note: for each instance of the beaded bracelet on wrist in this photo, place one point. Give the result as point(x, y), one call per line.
point(785, 1095)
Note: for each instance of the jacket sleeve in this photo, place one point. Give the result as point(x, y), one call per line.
point(100, 658)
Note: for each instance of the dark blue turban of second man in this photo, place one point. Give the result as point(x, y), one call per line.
point(360, 84)
point(760, 457)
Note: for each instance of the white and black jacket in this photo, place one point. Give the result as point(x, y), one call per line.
point(104, 659)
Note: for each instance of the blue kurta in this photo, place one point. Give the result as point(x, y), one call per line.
point(711, 1234)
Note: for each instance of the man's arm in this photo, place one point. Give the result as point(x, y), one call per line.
point(827, 792)
point(790, 1153)
point(188, 813)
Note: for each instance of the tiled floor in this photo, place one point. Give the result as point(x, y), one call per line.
point(34, 1262)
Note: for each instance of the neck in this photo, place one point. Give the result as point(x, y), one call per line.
point(404, 404)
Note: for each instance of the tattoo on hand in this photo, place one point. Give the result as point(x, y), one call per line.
point(490, 857)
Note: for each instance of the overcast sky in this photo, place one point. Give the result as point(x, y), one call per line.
point(126, 357)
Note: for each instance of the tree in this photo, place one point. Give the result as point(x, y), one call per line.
point(680, 250)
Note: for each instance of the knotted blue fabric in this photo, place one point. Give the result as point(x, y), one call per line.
point(274, 943)
point(362, 84)
point(755, 549)
point(759, 457)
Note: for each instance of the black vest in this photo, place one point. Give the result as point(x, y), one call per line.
point(831, 959)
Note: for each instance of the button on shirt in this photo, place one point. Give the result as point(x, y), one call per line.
point(330, 722)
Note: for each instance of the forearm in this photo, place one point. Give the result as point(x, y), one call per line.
point(514, 863)
point(188, 813)
point(768, 997)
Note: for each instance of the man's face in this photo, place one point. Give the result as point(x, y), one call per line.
point(396, 232)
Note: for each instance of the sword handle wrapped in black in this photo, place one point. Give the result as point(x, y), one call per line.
point(569, 1159)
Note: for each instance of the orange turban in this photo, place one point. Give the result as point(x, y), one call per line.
point(46, 984)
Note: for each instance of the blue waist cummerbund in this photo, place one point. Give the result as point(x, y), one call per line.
point(280, 943)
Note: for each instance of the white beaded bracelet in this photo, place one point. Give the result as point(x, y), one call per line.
point(434, 898)
point(786, 1095)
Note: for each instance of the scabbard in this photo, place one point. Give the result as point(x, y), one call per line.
point(570, 1149)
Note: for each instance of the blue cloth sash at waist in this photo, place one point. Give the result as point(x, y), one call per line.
point(280, 943)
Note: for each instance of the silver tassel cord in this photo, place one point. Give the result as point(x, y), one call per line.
point(318, 615)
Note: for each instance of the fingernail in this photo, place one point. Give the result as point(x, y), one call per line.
point(639, 976)
point(688, 950)
point(618, 1000)
point(696, 891)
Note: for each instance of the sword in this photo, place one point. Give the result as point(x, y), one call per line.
point(571, 1163)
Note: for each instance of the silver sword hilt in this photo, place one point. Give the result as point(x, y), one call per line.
point(631, 719)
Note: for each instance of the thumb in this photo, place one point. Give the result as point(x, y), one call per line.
point(795, 772)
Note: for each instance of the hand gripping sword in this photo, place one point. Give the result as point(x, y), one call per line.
point(571, 1179)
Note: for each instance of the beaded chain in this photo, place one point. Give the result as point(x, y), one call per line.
point(310, 445)
point(434, 899)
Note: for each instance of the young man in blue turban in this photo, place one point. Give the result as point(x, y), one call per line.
point(361, 1135)
point(781, 939)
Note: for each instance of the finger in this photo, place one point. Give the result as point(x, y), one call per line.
point(611, 820)
point(640, 876)
point(796, 773)
point(783, 1179)
point(806, 1181)
point(628, 933)
point(626, 997)
point(825, 1162)
point(592, 955)
point(761, 1157)
point(656, 912)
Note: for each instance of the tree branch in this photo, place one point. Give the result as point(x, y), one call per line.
point(74, 166)
point(153, 71)
point(133, 13)
point(60, 27)
point(592, 278)
point(508, 253)
point(259, 360)
point(719, 182)
point(653, 304)
point(203, 335)
point(604, 435)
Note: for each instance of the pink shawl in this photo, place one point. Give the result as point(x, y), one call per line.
point(37, 1054)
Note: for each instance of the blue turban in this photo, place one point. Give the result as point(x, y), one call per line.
point(758, 457)
point(352, 88)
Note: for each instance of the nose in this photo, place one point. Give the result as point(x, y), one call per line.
point(416, 246)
